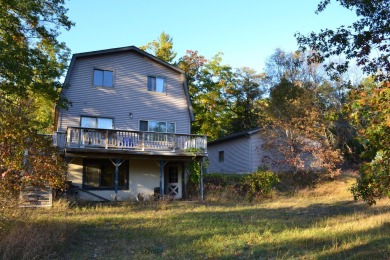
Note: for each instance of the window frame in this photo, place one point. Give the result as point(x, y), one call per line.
point(103, 163)
point(221, 156)
point(154, 88)
point(97, 121)
point(158, 122)
point(103, 70)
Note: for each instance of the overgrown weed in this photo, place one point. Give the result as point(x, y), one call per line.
point(316, 222)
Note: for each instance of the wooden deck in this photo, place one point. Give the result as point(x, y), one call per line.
point(113, 139)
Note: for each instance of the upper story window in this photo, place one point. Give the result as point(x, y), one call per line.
point(155, 126)
point(102, 78)
point(156, 84)
point(96, 122)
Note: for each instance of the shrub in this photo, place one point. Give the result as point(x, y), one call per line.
point(260, 183)
point(233, 187)
point(223, 180)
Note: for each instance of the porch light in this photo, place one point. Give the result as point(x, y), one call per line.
point(131, 115)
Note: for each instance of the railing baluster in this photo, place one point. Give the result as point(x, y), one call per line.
point(135, 140)
point(106, 139)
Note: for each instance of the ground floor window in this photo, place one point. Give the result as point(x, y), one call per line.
point(221, 156)
point(100, 174)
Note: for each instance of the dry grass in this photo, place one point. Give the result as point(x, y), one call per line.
point(320, 223)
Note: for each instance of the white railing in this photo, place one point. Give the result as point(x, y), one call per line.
point(81, 137)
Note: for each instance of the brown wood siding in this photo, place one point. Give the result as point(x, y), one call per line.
point(237, 156)
point(128, 95)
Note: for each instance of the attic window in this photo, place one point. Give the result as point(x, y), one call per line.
point(102, 78)
point(221, 156)
point(156, 84)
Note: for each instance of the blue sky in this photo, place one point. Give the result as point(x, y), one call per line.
point(246, 31)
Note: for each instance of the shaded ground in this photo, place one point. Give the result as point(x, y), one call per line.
point(320, 223)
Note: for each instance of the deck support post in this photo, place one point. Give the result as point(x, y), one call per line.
point(118, 162)
point(201, 179)
point(162, 164)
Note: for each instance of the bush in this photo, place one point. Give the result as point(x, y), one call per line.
point(219, 179)
point(238, 187)
point(260, 183)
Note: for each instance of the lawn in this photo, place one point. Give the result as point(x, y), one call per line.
point(320, 223)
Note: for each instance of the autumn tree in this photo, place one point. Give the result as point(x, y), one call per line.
point(208, 81)
point(367, 41)
point(299, 113)
point(369, 111)
point(162, 48)
point(32, 62)
point(26, 157)
point(298, 129)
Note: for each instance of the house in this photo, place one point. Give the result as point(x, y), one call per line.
point(235, 153)
point(246, 151)
point(127, 134)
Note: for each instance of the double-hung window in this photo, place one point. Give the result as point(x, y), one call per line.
point(96, 122)
point(102, 78)
point(156, 84)
point(157, 126)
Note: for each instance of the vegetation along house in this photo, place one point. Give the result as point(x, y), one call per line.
point(127, 133)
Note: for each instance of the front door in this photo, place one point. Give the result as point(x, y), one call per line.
point(173, 184)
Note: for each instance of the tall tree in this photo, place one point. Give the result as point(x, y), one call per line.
point(26, 157)
point(207, 82)
point(369, 111)
point(368, 41)
point(282, 65)
point(32, 62)
point(243, 96)
point(298, 129)
point(162, 48)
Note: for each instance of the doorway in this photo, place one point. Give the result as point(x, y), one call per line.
point(173, 183)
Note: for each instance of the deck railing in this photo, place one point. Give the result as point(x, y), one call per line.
point(81, 137)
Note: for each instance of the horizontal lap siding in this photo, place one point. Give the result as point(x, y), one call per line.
point(236, 153)
point(129, 94)
point(257, 151)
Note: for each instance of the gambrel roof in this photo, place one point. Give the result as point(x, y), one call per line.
point(140, 52)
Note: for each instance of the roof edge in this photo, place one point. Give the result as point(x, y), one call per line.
point(118, 50)
point(235, 136)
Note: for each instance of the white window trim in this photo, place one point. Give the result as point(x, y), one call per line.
point(103, 69)
point(158, 121)
point(219, 156)
point(97, 117)
point(156, 77)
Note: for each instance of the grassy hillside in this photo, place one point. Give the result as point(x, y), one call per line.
point(318, 223)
